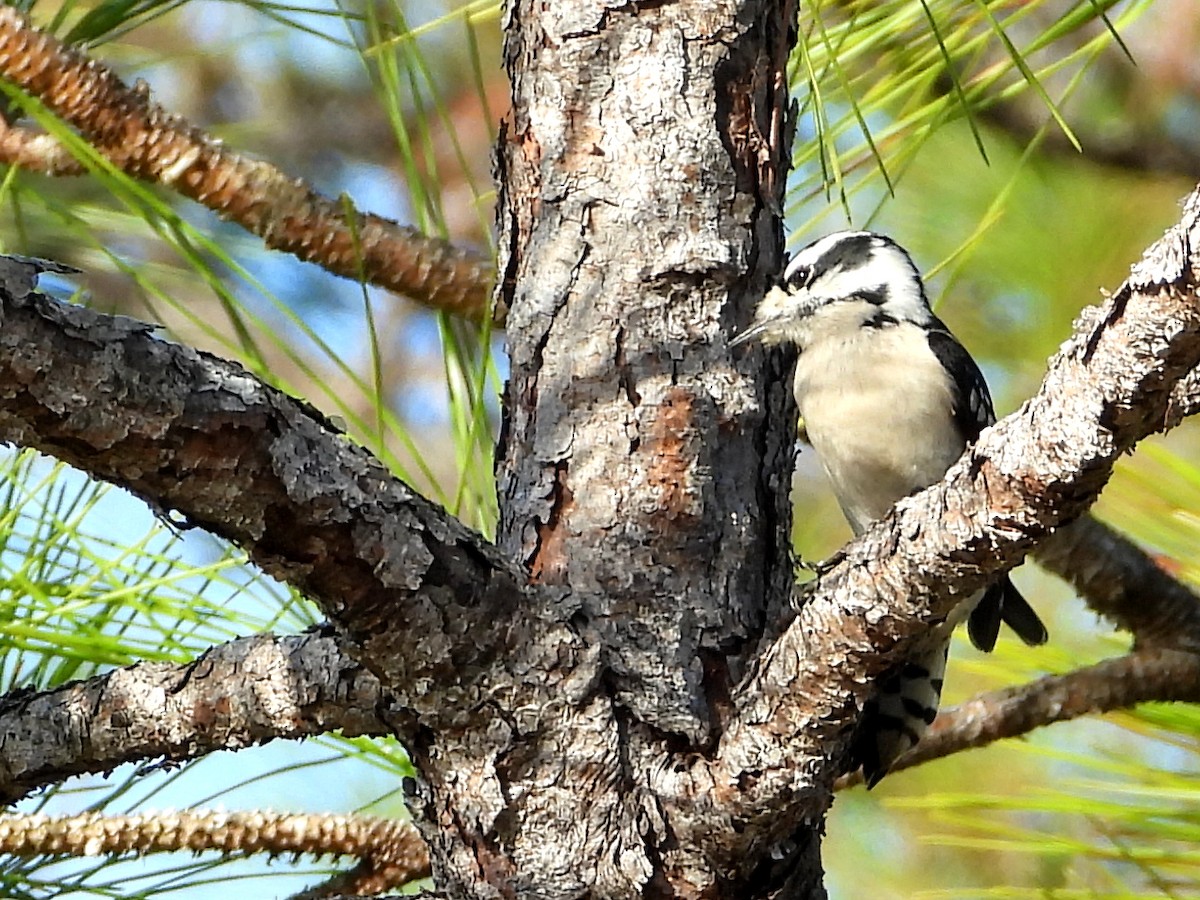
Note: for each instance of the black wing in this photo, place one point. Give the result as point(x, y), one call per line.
point(973, 412)
point(972, 401)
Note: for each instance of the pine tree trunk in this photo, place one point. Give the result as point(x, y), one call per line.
point(642, 470)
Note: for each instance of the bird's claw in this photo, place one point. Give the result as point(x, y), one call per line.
point(823, 567)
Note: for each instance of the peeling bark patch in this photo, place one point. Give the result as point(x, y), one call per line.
point(494, 869)
point(670, 458)
point(400, 558)
point(549, 563)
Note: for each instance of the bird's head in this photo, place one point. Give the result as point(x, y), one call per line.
point(842, 282)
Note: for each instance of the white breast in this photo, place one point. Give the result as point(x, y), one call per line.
point(879, 413)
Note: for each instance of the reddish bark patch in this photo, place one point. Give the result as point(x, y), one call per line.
point(670, 459)
point(549, 563)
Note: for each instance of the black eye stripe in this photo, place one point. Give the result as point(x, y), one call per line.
point(876, 296)
point(851, 252)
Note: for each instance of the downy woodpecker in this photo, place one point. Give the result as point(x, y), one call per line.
point(889, 400)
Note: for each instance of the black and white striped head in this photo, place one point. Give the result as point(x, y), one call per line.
point(842, 283)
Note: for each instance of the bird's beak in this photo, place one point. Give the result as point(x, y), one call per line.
point(775, 307)
point(754, 332)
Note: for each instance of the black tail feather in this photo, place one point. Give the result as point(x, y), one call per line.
point(1002, 602)
point(1020, 616)
point(983, 625)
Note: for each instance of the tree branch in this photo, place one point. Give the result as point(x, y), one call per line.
point(1121, 582)
point(1109, 386)
point(1144, 676)
point(192, 433)
point(246, 692)
point(199, 435)
point(392, 849)
point(143, 140)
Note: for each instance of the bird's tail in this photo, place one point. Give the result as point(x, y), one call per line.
point(903, 706)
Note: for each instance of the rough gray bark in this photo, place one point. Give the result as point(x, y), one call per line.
point(586, 702)
point(641, 469)
point(245, 692)
point(639, 171)
point(539, 783)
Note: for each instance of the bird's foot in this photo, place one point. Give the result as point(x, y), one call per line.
point(822, 567)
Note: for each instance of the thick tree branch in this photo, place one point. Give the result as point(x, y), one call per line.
point(1122, 582)
point(1109, 386)
point(246, 692)
point(195, 434)
point(200, 435)
point(143, 140)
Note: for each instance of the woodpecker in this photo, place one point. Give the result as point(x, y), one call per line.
point(889, 400)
